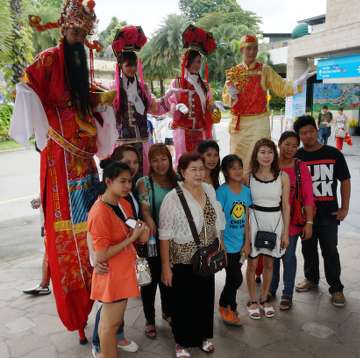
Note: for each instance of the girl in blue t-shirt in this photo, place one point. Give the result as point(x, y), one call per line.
point(235, 199)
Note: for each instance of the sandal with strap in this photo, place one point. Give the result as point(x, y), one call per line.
point(207, 347)
point(181, 352)
point(150, 331)
point(269, 311)
point(254, 313)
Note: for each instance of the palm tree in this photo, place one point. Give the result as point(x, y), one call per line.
point(161, 56)
point(16, 43)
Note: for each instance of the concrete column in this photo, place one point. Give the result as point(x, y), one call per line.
point(295, 66)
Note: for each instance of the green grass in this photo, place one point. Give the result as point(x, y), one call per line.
point(9, 145)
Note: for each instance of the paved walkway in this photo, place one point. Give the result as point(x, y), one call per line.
point(30, 327)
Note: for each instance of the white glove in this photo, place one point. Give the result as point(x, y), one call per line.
point(172, 91)
point(182, 108)
point(302, 79)
point(219, 105)
point(233, 92)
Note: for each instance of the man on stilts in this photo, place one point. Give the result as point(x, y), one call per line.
point(55, 102)
point(245, 92)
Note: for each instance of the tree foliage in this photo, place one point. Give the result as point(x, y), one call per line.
point(196, 9)
point(49, 11)
point(162, 54)
point(16, 41)
point(106, 37)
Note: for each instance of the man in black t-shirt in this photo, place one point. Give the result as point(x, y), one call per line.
point(327, 166)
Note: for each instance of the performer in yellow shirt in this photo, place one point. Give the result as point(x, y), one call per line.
point(246, 91)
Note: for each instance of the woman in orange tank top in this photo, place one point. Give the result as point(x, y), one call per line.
point(110, 221)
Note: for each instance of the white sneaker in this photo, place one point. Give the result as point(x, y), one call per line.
point(132, 347)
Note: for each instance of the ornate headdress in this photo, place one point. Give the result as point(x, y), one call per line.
point(196, 38)
point(248, 40)
point(128, 38)
point(76, 13)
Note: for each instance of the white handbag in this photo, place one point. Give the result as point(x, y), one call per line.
point(143, 273)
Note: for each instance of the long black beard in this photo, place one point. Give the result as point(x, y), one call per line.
point(77, 75)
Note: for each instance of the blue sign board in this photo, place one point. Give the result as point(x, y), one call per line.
point(339, 67)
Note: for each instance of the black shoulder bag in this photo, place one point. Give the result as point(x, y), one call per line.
point(207, 260)
point(265, 239)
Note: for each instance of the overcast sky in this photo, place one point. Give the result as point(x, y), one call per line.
point(277, 15)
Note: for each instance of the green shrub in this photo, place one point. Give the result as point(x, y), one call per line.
point(6, 110)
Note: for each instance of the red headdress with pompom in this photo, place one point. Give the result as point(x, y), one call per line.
point(196, 38)
point(129, 38)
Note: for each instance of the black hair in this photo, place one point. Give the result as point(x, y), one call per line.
point(341, 108)
point(77, 76)
point(203, 147)
point(289, 134)
point(111, 170)
point(303, 121)
point(325, 107)
point(192, 54)
point(129, 57)
point(228, 162)
point(114, 169)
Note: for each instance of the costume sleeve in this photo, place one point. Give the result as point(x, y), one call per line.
point(38, 74)
point(277, 84)
point(106, 132)
point(29, 117)
point(159, 106)
point(307, 189)
point(173, 99)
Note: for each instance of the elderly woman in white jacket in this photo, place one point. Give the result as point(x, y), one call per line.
point(192, 295)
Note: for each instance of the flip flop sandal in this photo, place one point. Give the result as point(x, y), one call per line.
point(150, 332)
point(207, 347)
point(254, 313)
point(182, 353)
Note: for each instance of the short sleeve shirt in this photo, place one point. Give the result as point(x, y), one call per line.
point(327, 166)
point(235, 207)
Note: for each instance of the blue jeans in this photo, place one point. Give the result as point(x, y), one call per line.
point(290, 264)
point(96, 338)
point(324, 134)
